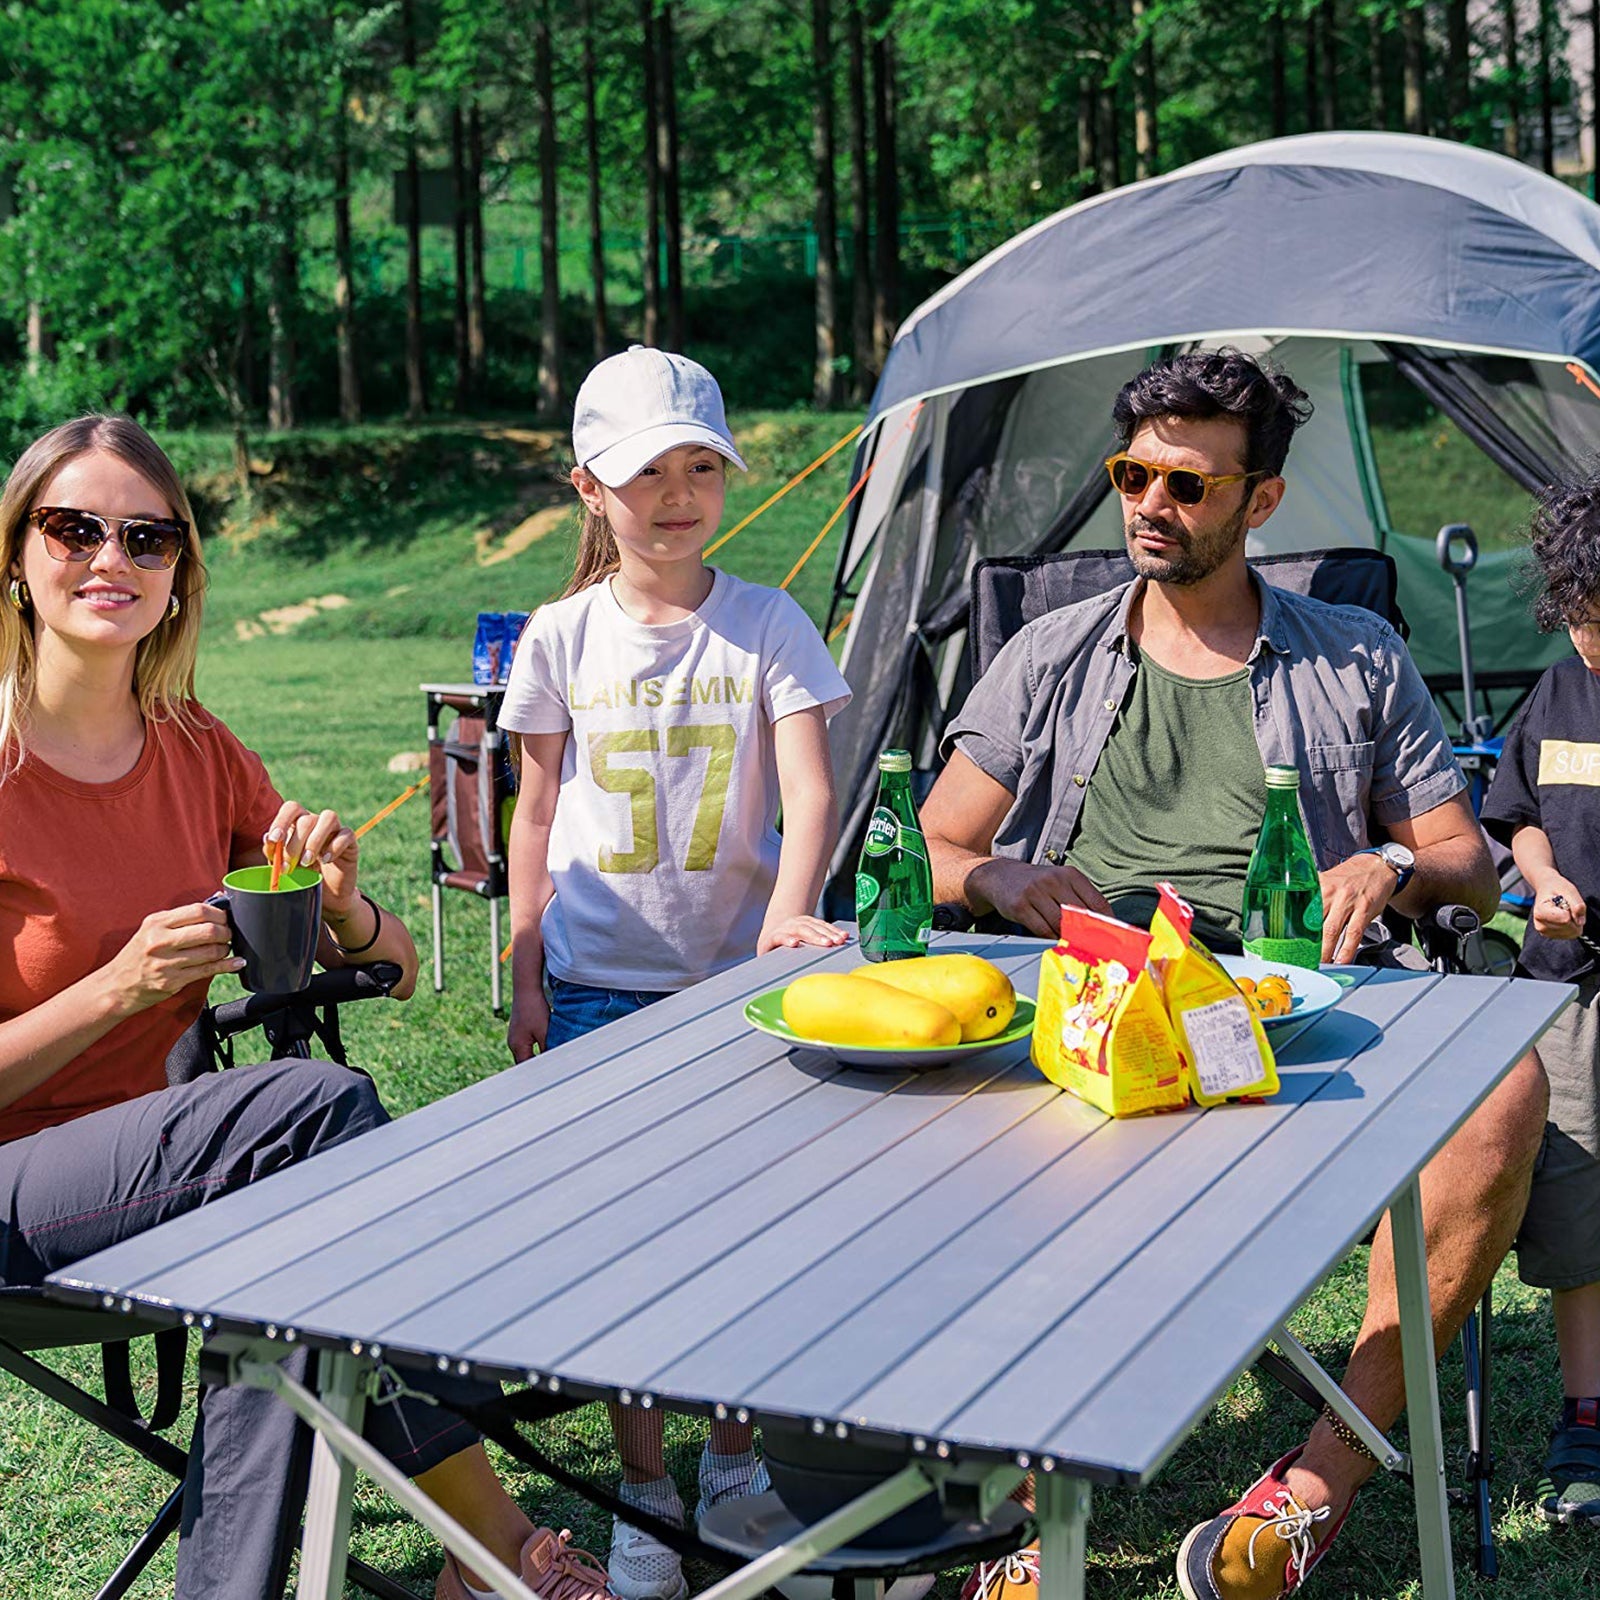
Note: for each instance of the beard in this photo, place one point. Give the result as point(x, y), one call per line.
point(1197, 556)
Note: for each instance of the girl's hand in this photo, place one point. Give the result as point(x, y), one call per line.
point(169, 951)
point(529, 1025)
point(792, 932)
point(1559, 911)
point(318, 839)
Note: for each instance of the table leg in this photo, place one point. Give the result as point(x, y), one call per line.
point(342, 1387)
point(1422, 1393)
point(1062, 1505)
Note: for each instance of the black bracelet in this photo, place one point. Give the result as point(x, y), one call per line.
point(377, 928)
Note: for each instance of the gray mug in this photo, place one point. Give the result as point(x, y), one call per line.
point(275, 930)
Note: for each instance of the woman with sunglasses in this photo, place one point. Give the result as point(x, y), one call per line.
point(122, 804)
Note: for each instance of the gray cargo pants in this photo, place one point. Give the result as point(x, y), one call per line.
point(70, 1191)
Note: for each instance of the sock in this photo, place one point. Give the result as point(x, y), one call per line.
point(723, 1477)
point(1580, 1413)
point(659, 1495)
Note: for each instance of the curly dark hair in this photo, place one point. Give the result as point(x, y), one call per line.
point(1219, 383)
point(1564, 538)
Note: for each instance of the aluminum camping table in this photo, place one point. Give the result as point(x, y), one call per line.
point(966, 1267)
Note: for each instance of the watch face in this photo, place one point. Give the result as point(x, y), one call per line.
point(1398, 857)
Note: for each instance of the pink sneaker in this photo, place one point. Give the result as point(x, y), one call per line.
point(549, 1564)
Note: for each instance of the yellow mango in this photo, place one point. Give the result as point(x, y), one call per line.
point(974, 991)
point(836, 1009)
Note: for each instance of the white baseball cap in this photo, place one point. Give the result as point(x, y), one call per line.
point(641, 404)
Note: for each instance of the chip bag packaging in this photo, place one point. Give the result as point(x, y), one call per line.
point(1133, 1021)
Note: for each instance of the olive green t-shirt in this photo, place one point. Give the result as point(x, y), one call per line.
point(1177, 796)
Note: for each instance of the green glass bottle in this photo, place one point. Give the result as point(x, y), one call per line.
point(1282, 912)
point(894, 883)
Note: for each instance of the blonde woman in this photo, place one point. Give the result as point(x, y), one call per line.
point(122, 804)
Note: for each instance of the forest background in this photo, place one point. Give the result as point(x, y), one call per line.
point(274, 213)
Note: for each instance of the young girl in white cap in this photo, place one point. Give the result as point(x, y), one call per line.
point(665, 710)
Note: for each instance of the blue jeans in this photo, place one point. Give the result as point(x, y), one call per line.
point(577, 1009)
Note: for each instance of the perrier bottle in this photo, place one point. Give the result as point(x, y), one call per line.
point(894, 884)
point(1282, 912)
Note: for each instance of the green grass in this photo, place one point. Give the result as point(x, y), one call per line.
point(329, 703)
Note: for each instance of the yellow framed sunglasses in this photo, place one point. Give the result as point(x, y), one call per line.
point(1185, 486)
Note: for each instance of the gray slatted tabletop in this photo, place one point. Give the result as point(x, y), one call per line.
point(678, 1207)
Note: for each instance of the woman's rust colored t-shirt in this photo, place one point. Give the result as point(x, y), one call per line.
point(83, 864)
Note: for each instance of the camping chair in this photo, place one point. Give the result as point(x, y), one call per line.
point(469, 782)
point(1007, 593)
point(30, 1323)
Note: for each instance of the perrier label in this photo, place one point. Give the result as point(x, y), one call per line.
point(894, 883)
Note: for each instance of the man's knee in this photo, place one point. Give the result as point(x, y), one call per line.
point(343, 1101)
point(1502, 1137)
point(300, 1107)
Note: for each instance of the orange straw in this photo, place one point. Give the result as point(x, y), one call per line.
point(275, 856)
point(394, 805)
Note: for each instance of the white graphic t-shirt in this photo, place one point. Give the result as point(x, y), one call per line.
point(664, 849)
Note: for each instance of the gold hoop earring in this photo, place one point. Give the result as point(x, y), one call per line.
point(20, 598)
point(173, 606)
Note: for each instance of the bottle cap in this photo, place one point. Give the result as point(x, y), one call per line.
point(1283, 777)
point(895, 761)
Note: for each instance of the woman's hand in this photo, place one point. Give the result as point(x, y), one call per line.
point(318, 839)
point(791, 932)
point(169, 951)
point(529, 1024)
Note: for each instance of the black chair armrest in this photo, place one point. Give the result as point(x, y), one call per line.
point(332, 988)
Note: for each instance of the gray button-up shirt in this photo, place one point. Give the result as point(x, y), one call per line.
point(1335, 691)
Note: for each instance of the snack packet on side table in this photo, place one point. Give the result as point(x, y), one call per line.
point(1224, 1047)
point(1101, 1029)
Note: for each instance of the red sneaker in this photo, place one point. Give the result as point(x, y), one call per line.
point(1260, 1548)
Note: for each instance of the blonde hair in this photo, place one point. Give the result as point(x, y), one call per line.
point(163, 673)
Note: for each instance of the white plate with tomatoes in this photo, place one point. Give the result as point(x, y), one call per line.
point(1311, 991)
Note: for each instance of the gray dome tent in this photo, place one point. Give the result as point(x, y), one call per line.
point(1472, 276)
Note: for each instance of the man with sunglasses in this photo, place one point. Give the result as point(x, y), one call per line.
point(1124, 740)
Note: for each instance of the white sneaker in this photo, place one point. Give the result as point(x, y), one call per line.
point(719, 1485)
point(641, 1567)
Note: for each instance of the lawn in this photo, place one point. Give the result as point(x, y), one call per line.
point(415, 536)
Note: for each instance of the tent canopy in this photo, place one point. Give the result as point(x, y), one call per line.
point(1466, 276)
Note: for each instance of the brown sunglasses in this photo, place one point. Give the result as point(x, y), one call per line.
point(149, 542)
point(1186, 487)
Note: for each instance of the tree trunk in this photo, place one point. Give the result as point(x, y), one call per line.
point(671, 206)
point(863, 372)
point(281, 299)
point(1145, 155)
point(1377, 84)
point(344, 274)
point(1088, 134)
point(652, 178)
point(591, 143)
point(1327, 14)
point(1313, 118)
point(1457, 68)
point(1110, 138)
point(477, 299)
point(1416, 43)
point(1513, 129)
point(886, 190)
point(1547, 107)
point(458, 221)
point(825, 364)
point(550, 396)
point(416, 361)
point(1278, 70)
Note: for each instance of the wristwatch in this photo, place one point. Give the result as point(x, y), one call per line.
point(1398, 857)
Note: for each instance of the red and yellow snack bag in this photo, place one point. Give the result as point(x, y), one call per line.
point(1225, 1051)
point(1101, 1029)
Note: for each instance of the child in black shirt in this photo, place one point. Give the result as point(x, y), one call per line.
point(1545, 802)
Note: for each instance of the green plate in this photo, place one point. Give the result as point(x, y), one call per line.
point(766, 1013)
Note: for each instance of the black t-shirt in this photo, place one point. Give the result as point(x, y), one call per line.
point(1549, 778)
